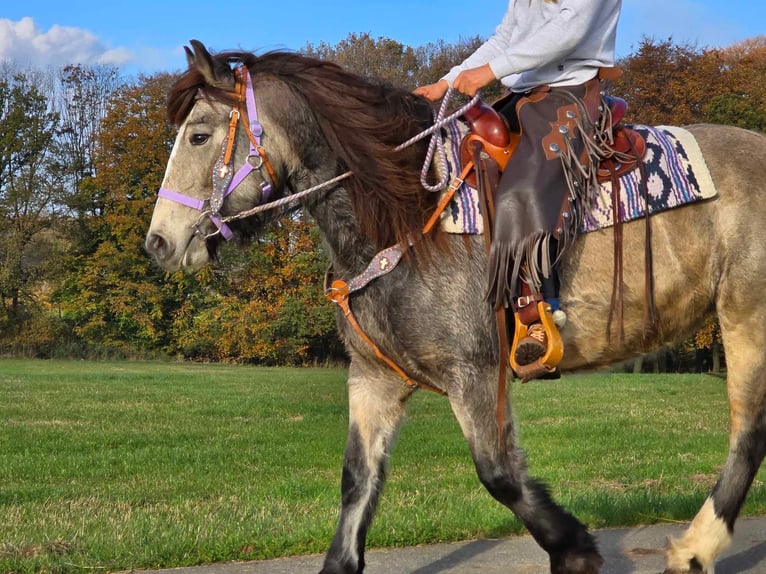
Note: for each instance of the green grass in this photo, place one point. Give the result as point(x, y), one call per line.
point(108, 466)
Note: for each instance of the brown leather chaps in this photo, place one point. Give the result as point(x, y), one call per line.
point(527, 236)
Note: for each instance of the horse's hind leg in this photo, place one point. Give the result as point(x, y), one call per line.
point(743, 326)
point(376, 405)
point(502, 469)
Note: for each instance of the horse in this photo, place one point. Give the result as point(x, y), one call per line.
point(429, 315)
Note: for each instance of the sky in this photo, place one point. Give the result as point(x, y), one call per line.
point(147, 36)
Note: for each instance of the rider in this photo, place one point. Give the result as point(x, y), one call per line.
point(551, 55)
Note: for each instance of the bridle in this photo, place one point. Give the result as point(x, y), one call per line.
point(225, 180)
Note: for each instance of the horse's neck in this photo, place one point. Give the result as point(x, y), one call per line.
point(349, 251)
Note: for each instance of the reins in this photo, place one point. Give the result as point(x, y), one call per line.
point(436, 144)
point(225, 181)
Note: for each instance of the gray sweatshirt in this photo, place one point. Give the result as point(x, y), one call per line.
point(560, 44)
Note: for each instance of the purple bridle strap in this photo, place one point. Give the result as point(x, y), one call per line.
point(199, 205)
point(256, 129)
point(192, 202)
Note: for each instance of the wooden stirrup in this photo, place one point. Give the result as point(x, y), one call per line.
point(554, 350)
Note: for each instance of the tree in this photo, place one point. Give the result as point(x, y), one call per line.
point(29, 194)
point(742, 101)
point(81, 99)
point(385, 59)
point(396, 64)
point(666, 83)
point(267, 306)
point(115, 296)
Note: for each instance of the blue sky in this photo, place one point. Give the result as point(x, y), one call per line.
point(147, 35)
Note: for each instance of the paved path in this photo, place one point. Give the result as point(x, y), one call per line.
point(625, 551)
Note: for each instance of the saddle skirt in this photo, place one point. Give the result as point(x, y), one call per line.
point(675, 170)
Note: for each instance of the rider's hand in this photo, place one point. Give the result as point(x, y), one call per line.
point(471, 81)
point(433, 92)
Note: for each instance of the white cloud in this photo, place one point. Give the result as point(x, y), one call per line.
point(22, 42)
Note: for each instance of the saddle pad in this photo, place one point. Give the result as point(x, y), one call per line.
point(676, 175)
point(463, 214)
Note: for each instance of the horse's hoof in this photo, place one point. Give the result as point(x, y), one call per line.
point(588, 563)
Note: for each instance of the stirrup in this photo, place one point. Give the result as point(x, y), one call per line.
point(554, 350)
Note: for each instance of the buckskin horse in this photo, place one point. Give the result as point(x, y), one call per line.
point(309, 121)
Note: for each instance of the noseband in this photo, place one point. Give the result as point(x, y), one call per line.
point(225, 180)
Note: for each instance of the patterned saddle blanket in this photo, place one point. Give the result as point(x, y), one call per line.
point(675, 170)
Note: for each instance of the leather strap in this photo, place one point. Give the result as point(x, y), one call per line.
point(487, 178)
point(616, 303)
point(339, 291)
point(448, 195)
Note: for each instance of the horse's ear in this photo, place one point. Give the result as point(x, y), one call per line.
point(189, 57)
point(216, 74)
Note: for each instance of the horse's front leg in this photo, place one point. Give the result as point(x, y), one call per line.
point(501, 467)
point(376, 405)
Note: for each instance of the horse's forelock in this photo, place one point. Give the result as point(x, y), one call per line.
point(192, 84)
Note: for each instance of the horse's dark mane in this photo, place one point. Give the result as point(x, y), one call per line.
point(361, 120)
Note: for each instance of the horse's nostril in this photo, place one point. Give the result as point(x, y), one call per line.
point(157, 246)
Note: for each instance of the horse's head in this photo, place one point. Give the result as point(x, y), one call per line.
point(219, 165)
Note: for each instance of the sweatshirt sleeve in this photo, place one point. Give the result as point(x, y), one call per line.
point(497, 45)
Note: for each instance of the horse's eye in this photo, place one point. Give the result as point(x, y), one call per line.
point(198, 139)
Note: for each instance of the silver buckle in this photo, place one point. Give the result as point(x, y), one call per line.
point(524, 301)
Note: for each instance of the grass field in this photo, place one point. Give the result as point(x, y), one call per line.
point(112, 466)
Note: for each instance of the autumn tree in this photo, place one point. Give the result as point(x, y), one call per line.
point(29, 193)
point(383, 58)
point(266, 304)
point(741, 101)
point(666, 83)
point(395, 63)
point(115, 297)
point(81, 100)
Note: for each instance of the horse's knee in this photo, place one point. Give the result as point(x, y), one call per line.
point(500, 483)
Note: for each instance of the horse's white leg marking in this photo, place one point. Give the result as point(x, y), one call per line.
point(742, 328)
point(705, 539)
